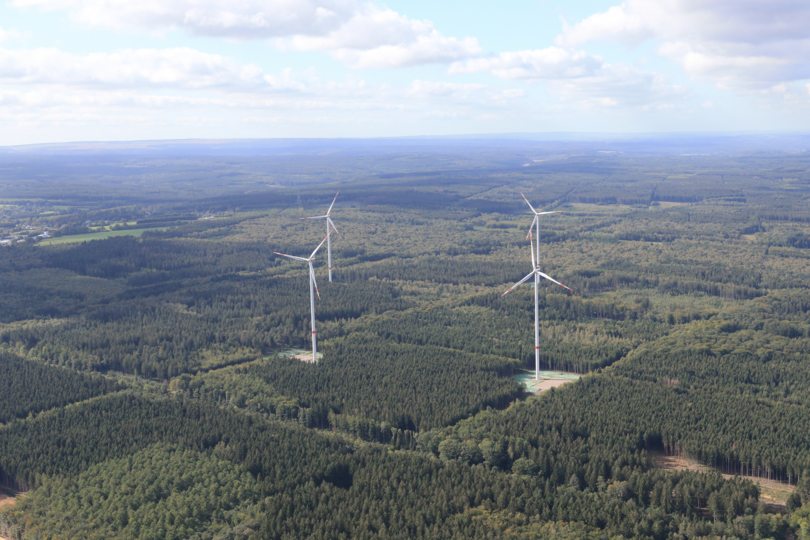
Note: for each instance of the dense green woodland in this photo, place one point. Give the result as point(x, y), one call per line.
point(31, 387)
point(146, 391)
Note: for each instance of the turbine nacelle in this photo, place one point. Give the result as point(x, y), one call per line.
point(535, 272)
point(536, 221)
point(536, 213)
point(309, 261)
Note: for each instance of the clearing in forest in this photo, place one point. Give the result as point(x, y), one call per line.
point(300, 354)
point(548, 379)
point(7, 499)
point(72, 239)
point(774, 494)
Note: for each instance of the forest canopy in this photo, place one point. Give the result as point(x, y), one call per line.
point(150, 383)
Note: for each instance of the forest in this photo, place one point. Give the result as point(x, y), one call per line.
point(149, 387)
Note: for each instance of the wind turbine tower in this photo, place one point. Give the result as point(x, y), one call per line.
point(329, 227)
point(537, 275)
point(313, 290)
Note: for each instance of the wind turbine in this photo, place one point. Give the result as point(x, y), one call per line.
point(328, 230)
point(537, 274)
point(313, 290)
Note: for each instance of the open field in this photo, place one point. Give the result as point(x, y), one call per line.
point(95, 236)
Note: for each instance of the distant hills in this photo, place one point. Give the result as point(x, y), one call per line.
point(578, 143)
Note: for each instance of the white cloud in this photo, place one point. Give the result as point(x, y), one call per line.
point(130, 83)
point(462, 93)
point(376, 38)
point(427, 49)
point(429, 89)
point(549, 63)
point(356, 32)
point(242, 19)
point(578, 76)
point(182, 68)
point(735, 67)
point(60, 111)
point(616, 24)
point(741, 44)
point(11, 34)
point(618, 86)
point(511, 93)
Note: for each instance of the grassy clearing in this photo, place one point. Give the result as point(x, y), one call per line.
point(96, 236)
point(548, 380)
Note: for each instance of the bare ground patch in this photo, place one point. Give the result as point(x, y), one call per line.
point(300, 354)
point(551, 383)
point(6, 501)
point(774, 494)
point(547, 381)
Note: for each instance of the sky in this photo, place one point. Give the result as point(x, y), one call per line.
point(100, 70)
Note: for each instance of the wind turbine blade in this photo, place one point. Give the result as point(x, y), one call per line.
point(552, 212)
point(333, 226)
point(291, 256)
point(524, 280)
point(333, 203)
point(312, 277)
point(314, 217)
point(554, 281)
point(319, 247)
point(531, 245)
point(529, 234)
point(527, 202)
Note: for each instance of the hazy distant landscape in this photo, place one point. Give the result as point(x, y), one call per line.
point(148, 388)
